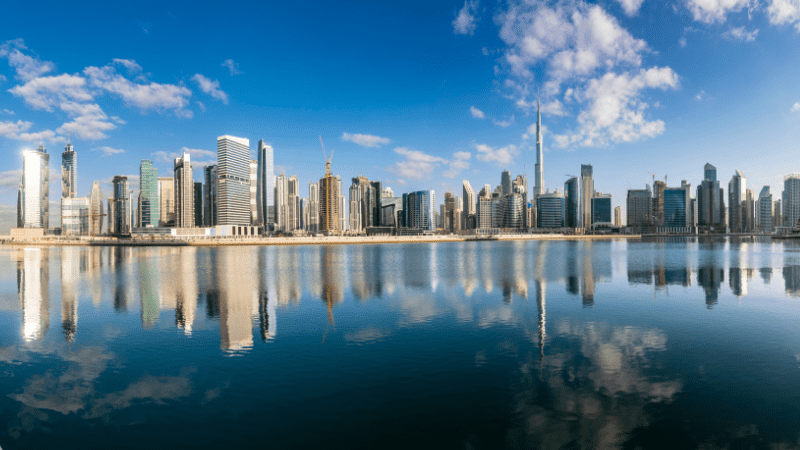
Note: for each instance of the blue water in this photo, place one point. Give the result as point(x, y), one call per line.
point(472, 345)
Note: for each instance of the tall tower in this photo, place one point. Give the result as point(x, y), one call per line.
point(149, 205)
point(329, 202)
point(233, 173)
point(96, 214)
point(36, 188)
point(587, 192)
point(184, 192)
point(265, 180)
point(538, 188)
point(69, 172)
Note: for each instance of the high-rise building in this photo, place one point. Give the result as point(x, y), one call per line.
point(601, 210)
point(166, 207)
point(233, 173)
point(691, 209)
point(452, 215)
point(483, 213)
point(618, 216)
point(184, 192)
point(210, 193)
point(303, 213)
point(331, 202)
point(148, 186)
point(69, 172)
point(36, 188)
point(710, 201)
point(74, 216)
point(791, 200)
point(572, 201)
point(21, 206)
point(658, 203)
point(538, 188)
point(281, 203)
point(418, 208)
point(505, 181)
point(550, 210)
point(737, 197)
point(253, 192)
point(342, 204)
point(639, 207)
point(513, 210)
point(676, 207)
point(587, 192)
point(520, 186)
point(122, 207)
point(111, 215)
point(96, 214)
point(265, 197)
point(198, 204)
point(765, 211)
point(365, 204)
point(293, 194)
point(313, 207)
point(468, 208)
point(749, 211)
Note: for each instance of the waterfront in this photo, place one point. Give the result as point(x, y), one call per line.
point(671, 343)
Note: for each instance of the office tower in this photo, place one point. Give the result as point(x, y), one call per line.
point(69, 172)
point(538, 187)
point(111, 215)
point(658, 203)
point(550, 210)
point(512, 206)
point(198, 204)
point(149, 205)
point(265, 198)
point(497, 210)
point(469, 205)
point(737, 196)
point(749, 212)
point(520, 186)
point(639, 207)
point(166, 207)
point(387, 193)
point(96, 214)
point(184, 192)
point(36, 188)
point(356, 195)
point(342, 204)
point(452, 213)
point(281, 203)
point(587, 192)
point(210, 192)
point(791, 200)
point(122, 207)
point(330, 202)
point(691, 213)
point(233, 173)
point(293, 195)
point(765, 211)
point(74, 216)
point(676, 207)
point(391, 210)
point(313, 207)
point(505, 181)
point(21, 206)
point(365, 204)
point(304, 214)
point(483, 213)
point(618, 216)
point(777, 214)
point(601, 210)
point(572, 201)
point(418, 208)
point(253, 192)
point(710, 204)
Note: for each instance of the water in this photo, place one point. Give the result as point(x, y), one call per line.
point(563, 344)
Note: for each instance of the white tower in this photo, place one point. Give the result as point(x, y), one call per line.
point(538, 188)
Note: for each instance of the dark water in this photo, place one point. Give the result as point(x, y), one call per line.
point(553, 345)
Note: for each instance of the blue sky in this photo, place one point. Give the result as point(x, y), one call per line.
point(420, 95)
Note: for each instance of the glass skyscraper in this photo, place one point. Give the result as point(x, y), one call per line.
point(233, 175)
point(149, 207)
point(265, 176)
point(69, 172)
point(36, 188)
point(418, 209)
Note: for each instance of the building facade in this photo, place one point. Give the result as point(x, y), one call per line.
point(166, 200)
point(210, 193)
point(69, 172)
point(233, 175)
point(550, 210)
point(121, 207)
point(265, 198)
point(601, 211)
point(791, 200)
point(148, 191)
point(36, 189)
point(184, 192)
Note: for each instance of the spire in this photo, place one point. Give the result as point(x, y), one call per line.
point(538, 188)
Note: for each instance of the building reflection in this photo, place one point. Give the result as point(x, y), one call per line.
point(186, 290)
point(333, 264)
point(33, 281)
point(149, 274)
point(657, 265)
point(791, 279)
point(266, 294)
point(365, 271)
point(71, 261)
point(235, 283)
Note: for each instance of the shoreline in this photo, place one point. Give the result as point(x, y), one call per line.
point(332, 240)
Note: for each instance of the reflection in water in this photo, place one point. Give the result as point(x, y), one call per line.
point(33, 281)
point(72, 258)
point(236, 282)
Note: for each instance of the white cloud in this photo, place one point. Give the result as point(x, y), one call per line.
point(3, 78)
point(714, 11)
point(27, 67)
point(795, 107)
point(199, 157)
point(476, 113)
point(129, 64)
point(500, 156)
point(145, 96)
point(741, 34)
point(682, 41)
point(416, 165)
point(210, 87)
point(8, 111)
point(9, 180)
point(232, 66)
point(365, 140)
point(783, 12)
point(700, 96)
point(12, 129)
point(47, 92)
point(465, 156)
point(466, 20)
point(108, 151)
point(630, 7)
point(460, 162)
point(504, 123)
point(19, 131)
point(89, 121)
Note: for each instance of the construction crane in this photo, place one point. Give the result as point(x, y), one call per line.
point(327, 159)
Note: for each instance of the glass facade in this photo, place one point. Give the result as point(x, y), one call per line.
point(36, 188)
point(75, 216)
point(572, 198)
point(550, 210)
point(149, 207)
point(675, 207)
point(601, 210)
point(233, 173)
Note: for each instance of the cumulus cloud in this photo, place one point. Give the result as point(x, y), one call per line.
point(145, 96)
point(630, 7)
point(714, 11)
point(27, 67)
point(210, 87)
point(89, 121)
point(504, 123)
point(365, 140)
point(741, 34)
point(476, 113)
point(459, 162)
point(500, 156)
point(47, 92)
point(416, 165)
point(233, 66)
point(8, 111)
point(466, 19)
point(795, 107)
point(109, 151)
point(131, 65)
point(784, 12)
point(19, 131)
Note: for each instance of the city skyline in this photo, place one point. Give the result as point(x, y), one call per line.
point(391, 122)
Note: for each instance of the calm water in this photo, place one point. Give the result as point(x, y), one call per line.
point(613, 344)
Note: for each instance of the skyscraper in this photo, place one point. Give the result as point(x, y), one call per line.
point(550, 210)
point(618, 216)
point(96, 214)
point(469, 205)
point(330, 202)
point(737, 197)
point(505, 181)
point(149, 205)
point(765, 211)
point(418, 209)
point(587, 192)
point(210, 192)
point(122, 207)
point(36, 188)
point(572, 199)
point(601, 210)
point(198, 204)
point(293, 195)
point(538, 188)
point(639, 207)
point(254, 192)
point(69, 172)
point(281, 202)
point(265, 197)
point(184, 192)
point(791, 200)
point(313, 207)
point(710, 204)
point(166, 195)
point(233, 173)
point(676, 207)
